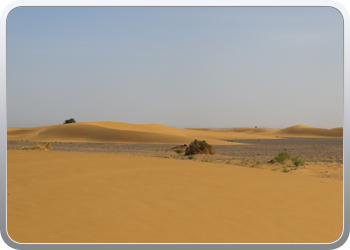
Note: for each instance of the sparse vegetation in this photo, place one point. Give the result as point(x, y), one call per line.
point(255, 164)
point(207, 160)
point(190, 157)
point(44, 146)
point(199, 147)
point(284, 157)
point(281, 157)
point(71, 120)
point(179, 151)
point(297, 161)
point(285, 170)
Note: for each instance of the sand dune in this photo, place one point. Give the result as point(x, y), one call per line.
point(89, 197)
point(302, 130)
point(120, 132)
point(293, 131)
point(99, 132)
point(87, 132)
point(156, 133)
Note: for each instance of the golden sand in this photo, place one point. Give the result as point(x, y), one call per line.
point(73, 197)
point(93, 197)
point(156, 133)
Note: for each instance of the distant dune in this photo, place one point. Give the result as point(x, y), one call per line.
point(305, 131)
point(156, 133)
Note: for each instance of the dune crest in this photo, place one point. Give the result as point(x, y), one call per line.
point(157, 133)
point(303, 130)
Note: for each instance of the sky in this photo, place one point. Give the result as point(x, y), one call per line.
point(218, 67)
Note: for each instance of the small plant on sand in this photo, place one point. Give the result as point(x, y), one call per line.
point(297, 161)
point(285, 159)
point(190, 157)
point(71, 120)
point(285, 170)
point(199, 147)
point(255, 164)
point(179, 151)
point(47, 145)
point(207, 160)
point(281, 157)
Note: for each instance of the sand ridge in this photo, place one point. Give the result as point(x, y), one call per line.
point(302, 130)
point(156, 133)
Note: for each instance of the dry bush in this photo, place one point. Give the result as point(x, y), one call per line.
point(199, 147)
point(179, 151)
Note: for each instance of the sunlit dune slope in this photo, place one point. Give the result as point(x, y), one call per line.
point(87, 132)
point(156, 133)
point(63, 197)
point(99, 132)
point(120, 132)
point(293, 131)
point(306, 131)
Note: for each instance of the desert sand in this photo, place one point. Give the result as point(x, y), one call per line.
point(156, 133)
point(84, 197)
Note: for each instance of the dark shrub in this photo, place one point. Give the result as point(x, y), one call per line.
point(199, 147)
point(71, 120)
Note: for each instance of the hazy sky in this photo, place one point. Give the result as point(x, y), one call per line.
point(178, 66)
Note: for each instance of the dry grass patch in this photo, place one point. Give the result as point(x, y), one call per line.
point(45, 146)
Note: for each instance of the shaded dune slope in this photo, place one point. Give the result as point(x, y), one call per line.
point(87, 132)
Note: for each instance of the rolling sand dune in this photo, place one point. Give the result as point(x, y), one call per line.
point(95, 197)
point(120, 132)
point(85, 197)
point(97, 132)
point(302, 130)
point(87, 132)
point(293, 131)
point(156, 133)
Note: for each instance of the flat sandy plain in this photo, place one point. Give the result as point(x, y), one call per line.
point(107, 182)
